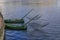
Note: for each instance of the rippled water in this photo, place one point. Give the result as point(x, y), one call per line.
point(16, 35)
point(51, 14)
point(50, 32)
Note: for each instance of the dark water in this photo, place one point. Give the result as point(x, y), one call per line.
point(15, 35)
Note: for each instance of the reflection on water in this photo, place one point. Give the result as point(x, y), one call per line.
point(50, 32)
point(51, 13)
point(39, 35)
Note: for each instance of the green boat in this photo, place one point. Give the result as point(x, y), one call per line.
point(11, 27)
point(14, 21)
point(22, 27)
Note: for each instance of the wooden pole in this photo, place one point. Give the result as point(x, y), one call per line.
point(27, 14)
